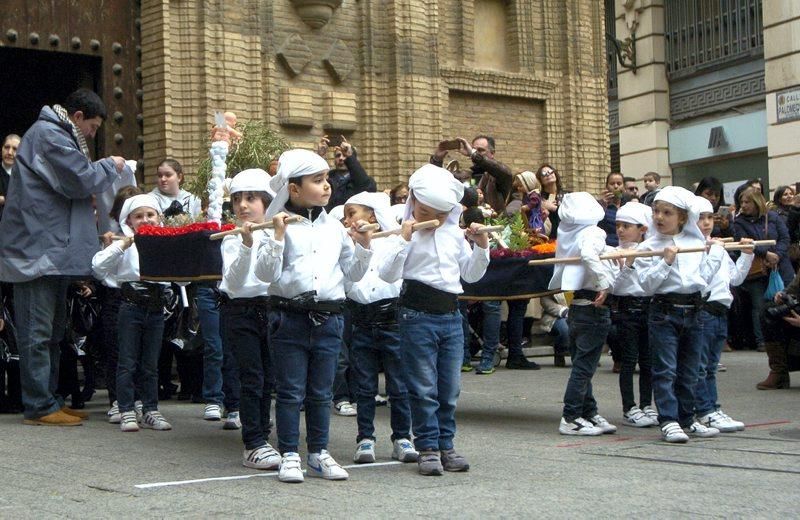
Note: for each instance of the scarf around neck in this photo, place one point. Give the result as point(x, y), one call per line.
point(61, 112)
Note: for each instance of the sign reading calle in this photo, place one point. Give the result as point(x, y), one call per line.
point(787, 103)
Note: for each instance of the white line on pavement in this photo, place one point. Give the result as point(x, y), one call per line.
point(254, 475)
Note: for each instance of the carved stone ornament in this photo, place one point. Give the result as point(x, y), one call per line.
point(339, 61)
point(316, 13)
point(294, 53)
point(633, 8)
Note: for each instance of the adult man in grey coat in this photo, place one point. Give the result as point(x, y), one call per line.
point(48, 236)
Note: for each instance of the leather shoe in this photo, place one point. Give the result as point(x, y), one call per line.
point(57, 418)
point(75, 413)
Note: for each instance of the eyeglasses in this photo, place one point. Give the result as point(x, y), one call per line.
point(337, 155)
point(547, 173)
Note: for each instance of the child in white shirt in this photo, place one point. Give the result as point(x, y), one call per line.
point(141, 317)
point(713, 320)
point(589, 317)
point(375, 339)
point(431, 263)
point(243, 317)
point(676, 283)
point(306, 264)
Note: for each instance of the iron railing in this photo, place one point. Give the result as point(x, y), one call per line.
point(706, 33)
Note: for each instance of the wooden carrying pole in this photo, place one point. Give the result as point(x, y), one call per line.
point(416, 227)
point(642, 254)
point(265, 225)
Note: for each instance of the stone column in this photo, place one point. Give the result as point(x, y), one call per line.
point(644, 95)
point(782, 78)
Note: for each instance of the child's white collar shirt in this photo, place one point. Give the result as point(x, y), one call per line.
point(592, 273)
point(114, 266)
point(627, 283)
point(372, 288)
point(238, 267)
point(437, 261)
point(689, 273)
point(313, 256)
point(730, 273)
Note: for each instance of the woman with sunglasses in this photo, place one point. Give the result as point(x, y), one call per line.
point(552, 192)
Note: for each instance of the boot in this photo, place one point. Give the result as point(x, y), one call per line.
point(778, 370)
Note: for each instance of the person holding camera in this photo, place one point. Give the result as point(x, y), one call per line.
point(347, 177)
point(783, 354)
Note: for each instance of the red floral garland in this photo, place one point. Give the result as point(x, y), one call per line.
point(182, 230)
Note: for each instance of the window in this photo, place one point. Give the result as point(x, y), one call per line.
point(704, 33)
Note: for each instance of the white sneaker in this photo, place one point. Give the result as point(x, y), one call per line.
point(699, 430)
point(212, 412)
point(113, 414)
point(381, 400)
point(579, 426)
point(637, 418)
point(404, 451)
point(128, 423)
point(672, 432)
point(365, 452)
point(290, 470)
point(137, 407)
point(322, 465)
point(155, 421)
point(715, 420)
point(739, 424)
point(345, 408)
point(232, 421)
point(601, 422)
point(263, 457)
point(651, 413)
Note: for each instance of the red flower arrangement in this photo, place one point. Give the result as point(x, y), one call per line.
point(159, 231)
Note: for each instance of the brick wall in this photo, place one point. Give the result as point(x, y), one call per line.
point(393, 76)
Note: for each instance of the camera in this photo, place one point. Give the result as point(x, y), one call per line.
point(790, 303)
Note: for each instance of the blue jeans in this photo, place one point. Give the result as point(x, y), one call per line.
point(675, 343)
point(755, 289)
point(463, 306)
point(220, 373)
point(139, 342)
point(514, 326)
point(244, 333)
point(560, 331)
point(432, 350)
point(588, 328)
point(632, 341)
point(372, 346)
point(305, 357)
point(491, 330)
point(40, 312)
point(715, 332)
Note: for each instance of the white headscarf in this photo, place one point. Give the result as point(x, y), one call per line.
point(292, 164)
point(132, 204)
point(683, 199)
point(578, 211)
point(702, 205)
point(253, 179)
point(637, 213)
point(437, 188)
point(380, 204)
point(337, 212)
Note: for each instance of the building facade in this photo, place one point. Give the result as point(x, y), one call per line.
point(715, 90)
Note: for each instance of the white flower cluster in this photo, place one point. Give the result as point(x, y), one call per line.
point(219, 154)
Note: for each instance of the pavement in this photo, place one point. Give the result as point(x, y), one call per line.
point(507, 428)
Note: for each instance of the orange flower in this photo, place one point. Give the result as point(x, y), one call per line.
point(545, 249)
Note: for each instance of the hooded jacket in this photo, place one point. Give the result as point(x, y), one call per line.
point(48, 226)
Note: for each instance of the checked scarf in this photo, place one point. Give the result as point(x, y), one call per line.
point(61, 112)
